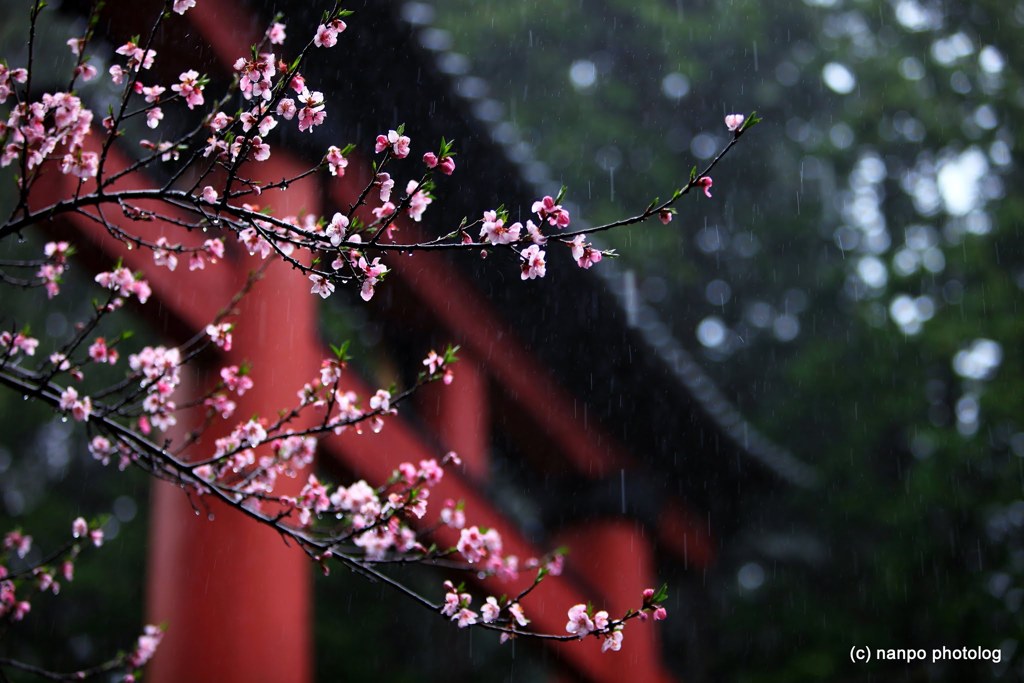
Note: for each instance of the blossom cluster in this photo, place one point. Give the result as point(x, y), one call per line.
point(35, 131)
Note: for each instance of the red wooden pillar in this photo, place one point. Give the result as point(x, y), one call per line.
point(236, 599)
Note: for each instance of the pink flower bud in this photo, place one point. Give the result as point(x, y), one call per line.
point(430, 159)
point(79, 528)
point(706, 183)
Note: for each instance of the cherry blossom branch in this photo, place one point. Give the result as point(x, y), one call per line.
point(366, 528)
point(79, 675)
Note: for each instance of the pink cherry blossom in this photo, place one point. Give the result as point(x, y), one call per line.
point(430, 159)
point(535, 234)
point(381, 401)
point(189, 88)
point(335, 230)
point(325, 36)
point(221, 405)
point(533, 265)
point(452, 515)
point(430, 472)
point(383, 211)
point(373, 272)
point(398, 143)
point(276, 34)
point(493, 229)
point(86, 72)
point(612, 641)
point(585, 254)
point(79, 528)
point(580, 623)
point(259, 150)
point(235, 380)
point(20, 610)
point(312, 114)
point(209, 195)
point(56, 251)
point(101, 449)
point(220, 335)
point(447, 165)
point(20, 543)
point(665, 216)
point(466, 617)
point(553, 213)
point(255, 243)
point(101, 353)
point(451, 600)
point(256, 75)
point(734, 121)
point(286, 109)
point(471, 544)
point(433, 362)
point(182, 6)
point(335, 161)
point(516, 610)
point(51, 276)
point(146, 646)
point(490, 610)
point(154, 116)
point(163, 255)
point(214, 248)
point(19, 342)
point(387, 184)
point(80, 409)
point(81, 164)
point(137, 57)
point(418, 201)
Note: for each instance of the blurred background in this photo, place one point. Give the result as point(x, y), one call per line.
point(854, 288)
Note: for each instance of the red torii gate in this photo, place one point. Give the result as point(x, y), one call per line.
point(236, 600)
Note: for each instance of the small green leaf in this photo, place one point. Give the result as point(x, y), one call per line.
point(750, 121)
point(450, 354)
point(341, 352)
